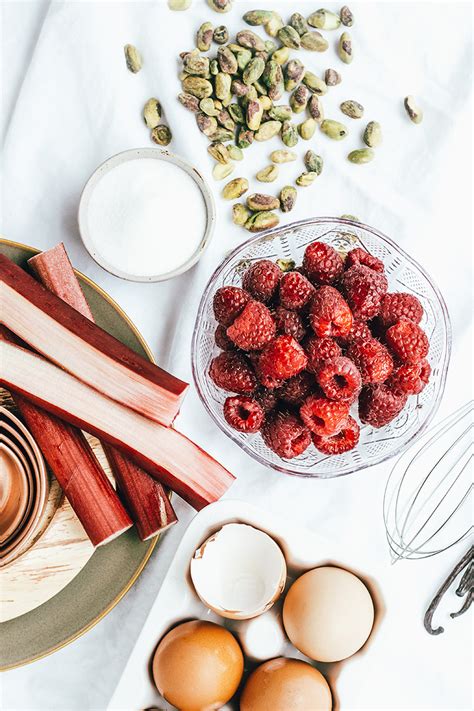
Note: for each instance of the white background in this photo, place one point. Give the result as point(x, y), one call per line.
point(68, 103)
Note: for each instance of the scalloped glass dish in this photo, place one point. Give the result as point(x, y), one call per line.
point(403, 273)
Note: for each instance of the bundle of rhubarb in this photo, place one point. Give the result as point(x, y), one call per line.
point(68, 375)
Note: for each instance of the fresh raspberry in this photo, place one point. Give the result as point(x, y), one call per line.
point(222, 339)
point(378, 405)
point(319, 350)
point(322, 264)
point(243, 413)
point(410, 378)
point(407, 341)
point(289, 322)
point(324, 417)
point(295, 390)
point(372, 358)
point(359, 330)
point(339, 379)
point(261, 279)
point(229, 302)
point(285, 434)
point(253, 328)
point(329, 314)
point(360, 256)
point(267, 399)
point(232, 371)
point(282, 358)
point(343, 441)
point(364, 290)
point(396, 306)
point(295, 291)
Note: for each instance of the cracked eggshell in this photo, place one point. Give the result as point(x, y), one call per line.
point(239, 571)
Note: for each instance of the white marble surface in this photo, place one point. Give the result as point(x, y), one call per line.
point(68, 103)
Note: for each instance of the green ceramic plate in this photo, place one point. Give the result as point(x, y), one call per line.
point(113, 569)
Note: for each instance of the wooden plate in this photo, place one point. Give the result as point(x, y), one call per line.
point(112, 569)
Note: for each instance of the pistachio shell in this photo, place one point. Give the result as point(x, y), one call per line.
point(222, 170)
point(315, 108)
point(362, 155)
point(204, 37)
point(373, 134)
point(314, 42)
point(299, 99)
point(333, 129)
point(287, 201)
point(268, 174)
point(289, 37)
point(352, 109)
point(221, 35)
point(152, 113)
point(324, 20)
point(253, 71)
point(282, 156)
point(268, 130)
point(220, 5)
point(219, 152)
point(260, 221)
point(235, 153)
point(235, 188)
point(344, 48)
point(307, 129)
point(197, 86)
point(346, 16)
point(281, 55)
point(332, 77)
point(161, 135)
point(249, 40)
point(414, 112)
point(240, 214)
point(189, 101)
point(133, 58)
point(306, 179)
point(298, 22)
point(313, 82)
point(261, 202)
point(289, 134)
point(313, 163)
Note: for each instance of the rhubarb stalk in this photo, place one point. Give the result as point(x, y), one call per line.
point(161, 451)
point(52, 327)
point(144, 497)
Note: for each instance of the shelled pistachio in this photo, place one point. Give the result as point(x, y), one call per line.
point(281, 55)
point(289, 37)
point(244, 137)
point(222, 170)
point(161, 135)
point(282, 156)
point(306, 179)
point(196, 64)
point(179, 4)
point(332, 78)
point(362, 155)
point(227, 61)
point(253, 71)
point(235, 188)
point(315, 108)
point(268, 174)
point(189, 101)
point(299, 99)
point(373, 134)
point(208, 106)
point(268, 130)
point(287, 202)
point(254, 114)
point(222, 134)
point(344, 48)
point(314, 42)
point(260, 221)
point(220, 5)
point(240, 214)
point(274, 24)
point(352, 109)
point(313, 162)
point(298, 22)
point(219, 152)
point(307, 129)
point(197, 86)
point(152, 113)
point(272, 77)
point(250, 40)
point(133, 58)
point(280, 112)
point(313, 82)
point(293, 73)
point(414, 112)
point(213, 67)
point(324, 20)
point(221, 35)
point(257, 17)
point(206, 124)
point(266, 102)
point(346, 16)
point(261, 202)
point(223, 82)
point(333, 129)
point(235, 153)
point(289, 134)
point(204, 36)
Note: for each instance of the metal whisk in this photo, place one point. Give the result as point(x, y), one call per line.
point(427, 505)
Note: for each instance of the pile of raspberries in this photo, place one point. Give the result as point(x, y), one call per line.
point(300, 347)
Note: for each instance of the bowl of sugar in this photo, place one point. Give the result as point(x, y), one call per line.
point(146, 215)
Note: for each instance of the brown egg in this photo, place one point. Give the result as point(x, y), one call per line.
point(198, 666)
point(286, 685)
point(328, 614)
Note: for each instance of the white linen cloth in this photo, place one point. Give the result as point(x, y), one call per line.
point(68, 103)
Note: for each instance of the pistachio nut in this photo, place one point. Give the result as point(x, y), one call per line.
point(299, 99)
point(240, 214)
point(344, 48)
point(270, 46)
point(235, 153)
point(313, 163)
point(179, 4)
point(161, 135)
point(221, 134)
point(314, 41)
point(268, 174)
point(133, 58)
point(244, 137)
point(306, 179)
point(298, 22)
point(373, 134)
point(333, 129)
point(235, 188)
point(347, 18)
point(315, 108)
point(238, 88)
point(286, 265)
point(250, 95)
point(197, 86)
point(204, 37)
point(287, 202)
point(280, 112)
point(243, 57)
point(263, 55)
point(266, 102)
point(152, 113)
point(260, 221)
point(294, 73)
point(260, 202)
point(281, 55)
point(289, 37)
point(196, 64)
point(307, 128)
point(273, 79)
point(362, 155)
point(289, 134)
point(219, 152)
point(223, 82)
point(221, 35)
point(282, 156)
point(227, 61)
point(350, 217)
point(268, 130)
point(235, 110)
point(414, 112)
point(222, 170)
point(257, 17)
point(218, 105)
point(224, 119)
point(206, 124)
point(189, 101)
point(249, 40)
point(254, 114)
point(261, 88)
point(352, 109)
point(274, 24)
point(253, 71)
point(207, 107)
point(324, 20)
point(313, 82)
point(220, 5)
point(213, 67)
point(332, 77)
